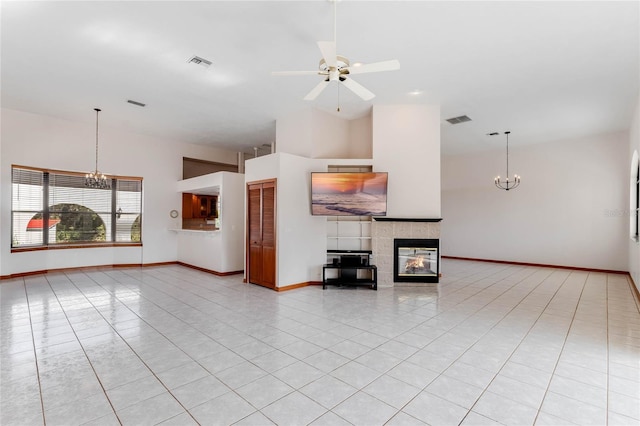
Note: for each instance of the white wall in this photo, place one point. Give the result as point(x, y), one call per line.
point(634, 145)
point(301, 244)
point(564, 213)
point(406, 143)
point(40, 141)
point(221, 250)
point(294, 133)
point(330, 136)
point(301, 237)
point(232, 221)
point(360, 138)
point(312, 133)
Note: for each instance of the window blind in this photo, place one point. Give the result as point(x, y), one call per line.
point(54, 208)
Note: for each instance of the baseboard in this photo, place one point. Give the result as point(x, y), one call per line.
point(299, 285)
point(123, 265)
point(83, 269)
point(634, 290)
point(539, 265)
point(146, 265)
point(210, 271)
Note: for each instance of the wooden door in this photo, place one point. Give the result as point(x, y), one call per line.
point(261, 250)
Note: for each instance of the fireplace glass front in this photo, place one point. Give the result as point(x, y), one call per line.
point(416, 260)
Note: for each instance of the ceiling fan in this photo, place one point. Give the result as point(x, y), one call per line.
point(334, 67)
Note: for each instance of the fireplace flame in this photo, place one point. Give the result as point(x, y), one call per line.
point(416, 262)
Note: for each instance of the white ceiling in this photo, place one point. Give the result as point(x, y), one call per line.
point(544, 70)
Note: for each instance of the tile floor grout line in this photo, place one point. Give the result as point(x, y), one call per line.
point(555, 367)
point(136, 353)
point(35, 353)
point(83, 349)
point(197, 362)
point(485, 310)
point(487, 332)
point(521, 340)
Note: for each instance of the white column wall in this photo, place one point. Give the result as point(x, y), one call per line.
point(312, 133)
point(565, 212)
point(221, 250)
point(294, 133)
point(330, 136)
point(406, 144)
point(40, 141)
point(360, 138)
point(232, 220)
point(302, 238)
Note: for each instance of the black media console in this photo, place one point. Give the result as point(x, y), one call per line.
point(350, 268)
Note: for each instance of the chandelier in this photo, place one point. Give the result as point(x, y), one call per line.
point(96, 179)
point(507, 184)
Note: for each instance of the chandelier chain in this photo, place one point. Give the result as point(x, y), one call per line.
point(95, 179)
point(97, 110)
point(507, 184)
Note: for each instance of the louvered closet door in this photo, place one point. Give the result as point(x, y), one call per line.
point(262, 233)
point(255, 234)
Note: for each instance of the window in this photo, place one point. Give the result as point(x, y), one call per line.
point(55, 209)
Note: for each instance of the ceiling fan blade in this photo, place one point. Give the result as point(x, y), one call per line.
point(358, 89)
point(391, 65)
point(316, 90)
point(296, 73)
point(328, 49)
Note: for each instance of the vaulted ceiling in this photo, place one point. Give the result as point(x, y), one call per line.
point(544, 70)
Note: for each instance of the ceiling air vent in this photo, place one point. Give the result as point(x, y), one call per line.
point(199, 61)
point(458, 120)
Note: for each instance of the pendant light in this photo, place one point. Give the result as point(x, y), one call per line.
point(95, 179)
point(507, 184)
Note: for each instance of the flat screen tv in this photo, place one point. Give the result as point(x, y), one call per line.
point(349, 194)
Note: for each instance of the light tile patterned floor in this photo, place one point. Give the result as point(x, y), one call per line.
point(490, 344)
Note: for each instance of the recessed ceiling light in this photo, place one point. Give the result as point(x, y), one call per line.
point(416, 92)
point(356, 64)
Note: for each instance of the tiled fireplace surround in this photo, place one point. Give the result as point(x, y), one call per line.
point(383, 234)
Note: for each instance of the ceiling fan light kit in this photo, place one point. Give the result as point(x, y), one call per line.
point(333, 67)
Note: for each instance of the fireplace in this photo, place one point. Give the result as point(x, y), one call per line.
point(416, 260)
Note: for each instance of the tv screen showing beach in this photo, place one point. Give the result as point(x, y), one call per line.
point(349, 194)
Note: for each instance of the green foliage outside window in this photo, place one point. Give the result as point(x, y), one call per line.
point(76, 223)
point(135, 230)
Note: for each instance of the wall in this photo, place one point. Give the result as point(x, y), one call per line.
point(565, 211)
point(40, 141)
point(301, 245)
point(360, 138)
point(301, 238)
point(634, 246)
point(232, 220)
point(313, 133)
point(401, 139)
point(330, 136)
point(294, 133)
point(406, 143)
point(222, 250)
